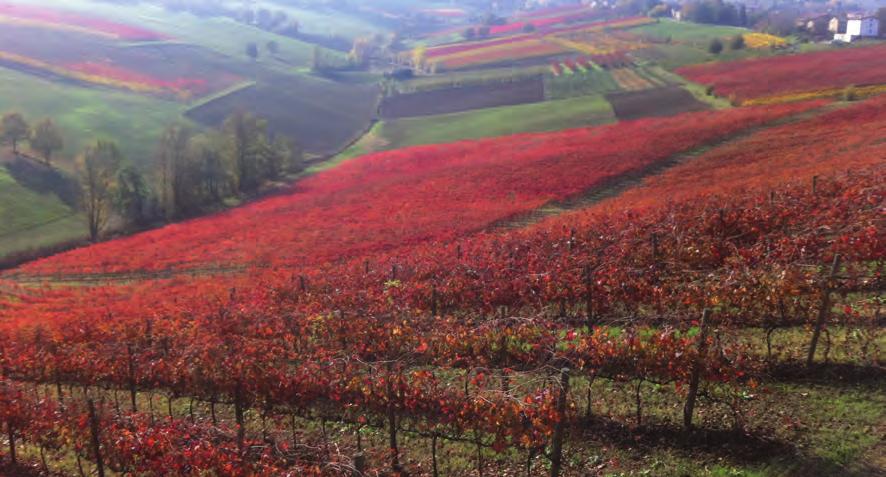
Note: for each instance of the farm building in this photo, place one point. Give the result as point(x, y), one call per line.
point(837, 25)
point(859, 28)
point(817, 25)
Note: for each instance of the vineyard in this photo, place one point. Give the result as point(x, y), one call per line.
point(794, 77)
point(69, 21)
point(589, 38)
point(412, 195)
point(386, 318)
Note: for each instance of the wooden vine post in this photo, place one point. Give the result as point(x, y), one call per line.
point(589, 294)
point(359, 464)
point(824, 311)
point(392, 420)
point(130, 357)
point(96, 442)
point(689, 406)
point(560, 427)
point(10, 429)
point(239, 416)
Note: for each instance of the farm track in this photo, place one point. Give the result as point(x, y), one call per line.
point(619, 184)
point(594, 195)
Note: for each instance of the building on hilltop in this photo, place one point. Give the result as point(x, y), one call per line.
point(837, 25)
point(860, 27)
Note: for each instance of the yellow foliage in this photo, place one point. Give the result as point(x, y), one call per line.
point(762, 40)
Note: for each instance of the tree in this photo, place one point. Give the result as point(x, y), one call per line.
point(419, 55)
point(359, 54)
point(172, 164)
point(659, 11)
point(47, 139)
point(469, 34)
point(483, 31)
point(737, 42)
point(716, 46)
point(97, 172)
point(273, 47)
point(252, 51)
point(742, 15)
point(131, 195)
point(244, 135)
point(205, 151)
point(279, 158)
point(528, 28)
point(15, 129)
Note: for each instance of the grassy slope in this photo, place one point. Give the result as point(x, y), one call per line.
point(538, 117)
point(134, 121)
point(689, 43)
point(223, 35)
point(687, 31)
point(324, 22)
point(29, 219)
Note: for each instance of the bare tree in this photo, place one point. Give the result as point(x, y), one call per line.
point(47, 139)
point(97, 170)
point(15, 129)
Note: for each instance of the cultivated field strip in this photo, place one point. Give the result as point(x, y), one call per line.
point(617, 185)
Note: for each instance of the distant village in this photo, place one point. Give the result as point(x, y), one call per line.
point(836, 21)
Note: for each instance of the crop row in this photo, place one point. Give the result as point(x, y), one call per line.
point(66, 20)
point(400, 198)
point(793, 74)
point(524, 46)
point(111, 76)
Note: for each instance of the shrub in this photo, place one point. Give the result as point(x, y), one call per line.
point(737, 42)
point(716, 46)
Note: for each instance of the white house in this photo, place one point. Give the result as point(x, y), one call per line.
point(859, 28)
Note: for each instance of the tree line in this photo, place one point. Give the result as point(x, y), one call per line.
point(192, 171)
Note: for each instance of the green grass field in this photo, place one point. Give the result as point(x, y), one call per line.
point(480, 123)
point(471, 77)
point(222, 35)
point(32, 220)
point(85, 114)
point(686, 31)
point(536, 117)
point(325, 21)
point(689, 44)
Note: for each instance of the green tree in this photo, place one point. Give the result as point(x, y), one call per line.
point(528, 28)
point(205, 151)
point(279, 158)
point(244, 137)
point(172, 165)
point(716, 46)
point(252, 51)
point(97, 172)
point(15, 129)
point(47, 139)
point(737, 42)
point(273, 47)
point(131, 195)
